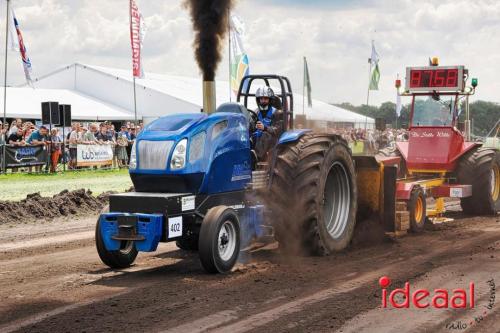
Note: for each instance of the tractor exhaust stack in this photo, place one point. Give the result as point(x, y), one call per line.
point(209, 97)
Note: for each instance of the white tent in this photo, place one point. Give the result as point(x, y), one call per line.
point(159, 94)
point(26, 103)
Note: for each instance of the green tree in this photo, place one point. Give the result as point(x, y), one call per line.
point(484, 114)
point(387, 111)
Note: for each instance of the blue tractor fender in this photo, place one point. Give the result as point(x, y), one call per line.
point(286, 137)
point(292, 135)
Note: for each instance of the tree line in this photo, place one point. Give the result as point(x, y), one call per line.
point(484, 115)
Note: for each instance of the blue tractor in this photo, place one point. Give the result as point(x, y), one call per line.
point(197, 183)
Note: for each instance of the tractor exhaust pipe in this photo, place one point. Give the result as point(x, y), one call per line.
point(209, 97)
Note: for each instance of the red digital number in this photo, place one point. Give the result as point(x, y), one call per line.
point(451, 80)
point(427, 78)
point(439, 78)
point(416, 78)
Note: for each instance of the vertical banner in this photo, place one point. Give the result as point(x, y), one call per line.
point(137, 32)
point(17, 44)
point(238, 58)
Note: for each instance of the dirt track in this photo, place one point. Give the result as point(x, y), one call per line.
point(51, 280)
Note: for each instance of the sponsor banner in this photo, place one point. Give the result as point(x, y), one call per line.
point(25, 156)
point(357, 148)
point(93, 155)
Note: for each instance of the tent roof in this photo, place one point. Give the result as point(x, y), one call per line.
point(157, 94)
point(189, 90)
point(26, 103)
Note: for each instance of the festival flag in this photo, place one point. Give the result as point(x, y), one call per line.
point(399, 106)
point(17, 44)
point(137, 34)
point(238, 58)
point(375, 74)
point(307, 83)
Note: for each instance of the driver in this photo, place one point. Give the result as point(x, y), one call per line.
point(268, 126)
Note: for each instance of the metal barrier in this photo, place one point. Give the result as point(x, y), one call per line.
point(38, 159)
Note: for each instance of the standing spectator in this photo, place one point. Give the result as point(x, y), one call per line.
point(18, 123)
point(13, 127)
point(38, 138)
point(75, 137)
point(122, 139)
point(17, 139)
point(27, 133)
point(132, 136)
point(55, 149)
point(73, 127)
point(104, 135)
point(89, 136)
point(3, 134)
point(132, 133)
point(6, 128)
point(112, 132)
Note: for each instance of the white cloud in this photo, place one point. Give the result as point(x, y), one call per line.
point(334, 36)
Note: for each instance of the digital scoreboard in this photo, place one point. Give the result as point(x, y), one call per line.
point(435, 78)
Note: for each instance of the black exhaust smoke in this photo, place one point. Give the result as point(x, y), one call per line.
point(210, 22)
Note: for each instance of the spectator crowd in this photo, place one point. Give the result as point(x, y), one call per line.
point(372, 139)
point(25, 133)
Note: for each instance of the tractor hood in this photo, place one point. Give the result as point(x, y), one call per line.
point(170, 126)
point(192, 153)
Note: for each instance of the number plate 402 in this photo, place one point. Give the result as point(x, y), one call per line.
point(175, 227)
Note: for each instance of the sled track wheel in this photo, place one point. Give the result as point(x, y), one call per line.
point(417, 207)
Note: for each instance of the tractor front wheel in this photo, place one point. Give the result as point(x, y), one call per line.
point(219, 241)
point(481, 169)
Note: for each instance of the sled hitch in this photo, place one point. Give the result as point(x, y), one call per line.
point(127, 229)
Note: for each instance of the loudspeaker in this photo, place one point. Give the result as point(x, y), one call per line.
point(380, 124)
point(65, 114)
point(50, 113)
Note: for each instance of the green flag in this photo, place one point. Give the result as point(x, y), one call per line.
point(375, 75)
point(307, 83)
point(375, 78)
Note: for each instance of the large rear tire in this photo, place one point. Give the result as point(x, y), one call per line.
point(481, 169)
point(314, 194)
point(219, 243)
point(122, 258)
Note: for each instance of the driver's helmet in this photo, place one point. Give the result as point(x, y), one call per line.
point(264, 91)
